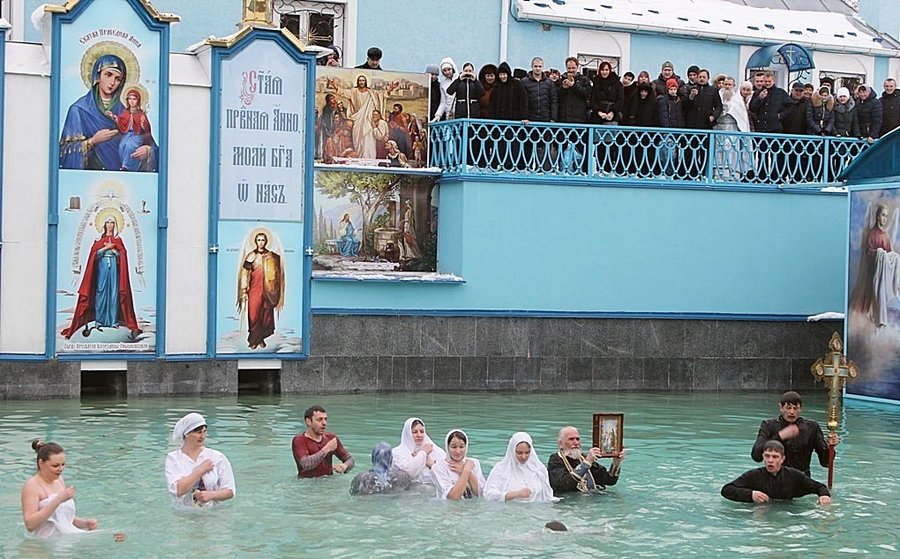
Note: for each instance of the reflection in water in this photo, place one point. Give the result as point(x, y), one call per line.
point(682, 448)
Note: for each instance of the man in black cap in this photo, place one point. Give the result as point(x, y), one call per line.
point(793, 121)
point(373, 59)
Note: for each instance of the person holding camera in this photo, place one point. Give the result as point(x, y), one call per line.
point(467, 90)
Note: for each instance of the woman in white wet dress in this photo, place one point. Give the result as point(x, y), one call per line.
point(48, 506)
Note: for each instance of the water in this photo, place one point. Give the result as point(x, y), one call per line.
point(682, 449)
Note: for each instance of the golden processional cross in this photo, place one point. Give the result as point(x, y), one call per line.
point(834, 370)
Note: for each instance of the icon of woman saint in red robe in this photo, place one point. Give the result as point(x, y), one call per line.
point(104, 297)
point(260, 290)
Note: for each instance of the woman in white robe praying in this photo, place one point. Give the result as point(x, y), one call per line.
point(458, 476)
point(417, 453)
point(196, 475)
point(520, 475)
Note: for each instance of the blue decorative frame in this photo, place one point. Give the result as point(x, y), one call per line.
point(219, 55)
point(162, 183)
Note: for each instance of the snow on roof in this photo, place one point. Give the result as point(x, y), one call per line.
point(715, 19)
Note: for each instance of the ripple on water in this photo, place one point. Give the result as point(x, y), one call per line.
point(682, 448)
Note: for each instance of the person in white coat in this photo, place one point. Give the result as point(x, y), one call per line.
point(448, 101)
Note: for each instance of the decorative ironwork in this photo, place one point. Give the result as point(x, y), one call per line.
point(151, 10)
point(708, 157)
point(313, 22)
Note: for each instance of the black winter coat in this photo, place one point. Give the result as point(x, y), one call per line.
point(793, 119)
point(509, 100)
point(769, 110)
point(541, 95)
point(707, 103)
point(868, 111)
point(467, 93)
point(890, 111)
point(607, 95)
point(846, 121)
point(670, 113)
point(573, 101)
point(641, 112)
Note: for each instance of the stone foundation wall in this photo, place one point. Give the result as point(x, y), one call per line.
point(415, 353)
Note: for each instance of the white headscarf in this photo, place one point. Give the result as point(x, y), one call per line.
point(415, 465)
point(509, 474)
point(444, 477)
point(187, 424)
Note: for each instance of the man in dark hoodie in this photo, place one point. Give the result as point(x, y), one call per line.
point(508, 102)
point(890, 106)
point(868, 111)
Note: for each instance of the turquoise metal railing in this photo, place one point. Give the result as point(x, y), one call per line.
point(569, 151)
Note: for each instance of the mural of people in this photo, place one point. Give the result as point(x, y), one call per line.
point(347, 243)
point(260, 290)
point(878, 279)
point(395, 157)
point(90, 137)
point(104, 296)
point(409, 246)
point(363, 102)
point(134, 126)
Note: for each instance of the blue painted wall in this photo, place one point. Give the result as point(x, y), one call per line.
point(882, 72)
point(199, 19)
point(648, 52)
point(528, 39)
point(421, 33)
point(527, 247)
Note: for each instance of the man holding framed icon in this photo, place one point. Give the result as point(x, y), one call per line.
point(571, 470)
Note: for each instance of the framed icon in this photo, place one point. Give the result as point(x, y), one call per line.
point(608, 433)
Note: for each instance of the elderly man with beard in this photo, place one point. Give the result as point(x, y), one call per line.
point(571, 470)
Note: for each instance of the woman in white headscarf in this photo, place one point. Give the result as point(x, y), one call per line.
point(519, 475)
point(417, 453)
point(196, 475)
point(458, 476)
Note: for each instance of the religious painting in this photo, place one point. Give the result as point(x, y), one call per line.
point(873, 302)
point(373, 222)
point(371, 117)
point(260, 288)
point(106, 273)
point(109, 91)
point(608, 433)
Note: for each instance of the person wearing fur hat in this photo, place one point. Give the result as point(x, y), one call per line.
point(448, 100)
point(869, 113)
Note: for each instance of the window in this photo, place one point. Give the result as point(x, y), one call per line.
point(315, 23)
point(843, 79)
point(589, 63)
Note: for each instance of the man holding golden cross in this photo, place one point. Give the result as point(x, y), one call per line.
point(834, 370)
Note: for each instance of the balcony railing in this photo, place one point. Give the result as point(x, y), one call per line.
point(578, 152)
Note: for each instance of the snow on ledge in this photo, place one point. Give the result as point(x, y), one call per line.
point(716, 19)
point(831, 315)
point(398, 277)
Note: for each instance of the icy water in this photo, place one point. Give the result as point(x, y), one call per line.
point(681, 449)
